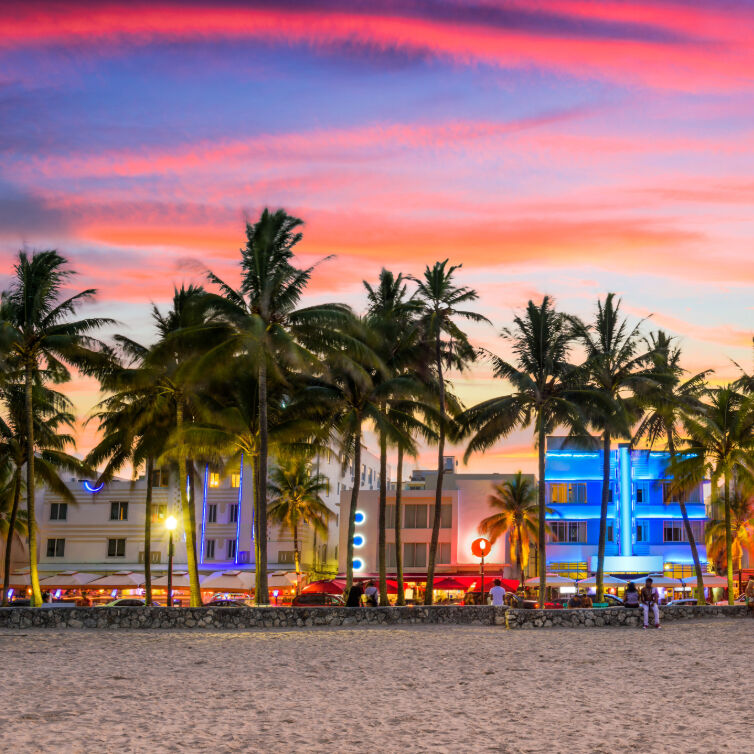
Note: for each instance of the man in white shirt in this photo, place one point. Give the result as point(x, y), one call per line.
point(649, 599)
point(497, 593)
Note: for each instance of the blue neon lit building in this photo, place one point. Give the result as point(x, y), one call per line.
point(645, 531)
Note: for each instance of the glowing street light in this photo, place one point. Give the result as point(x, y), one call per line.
point(170, 523)
point(481, 547)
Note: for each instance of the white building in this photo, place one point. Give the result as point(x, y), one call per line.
point(103, 531)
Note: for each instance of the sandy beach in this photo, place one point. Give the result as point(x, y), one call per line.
point(684, 688)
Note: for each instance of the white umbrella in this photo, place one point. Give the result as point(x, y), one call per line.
point(281, 578)
point(180, 580)
point(551, 579)
point(708, 579)
point(68, 579)
point(607, 580)
point(118, 580)
point(20, 578)
point(659, 579)
point(228, 581)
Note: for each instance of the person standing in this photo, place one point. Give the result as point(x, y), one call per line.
point(354, 595)
point(497, 593)
point(371, 593)
point(649, 598)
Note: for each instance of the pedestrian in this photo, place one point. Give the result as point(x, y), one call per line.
point(497, 593)
point(631, 597)
point(649, 598)
point(355, 594)
point(371, 593)
point(750, 591)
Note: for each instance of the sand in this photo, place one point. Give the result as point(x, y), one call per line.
point(686, 688)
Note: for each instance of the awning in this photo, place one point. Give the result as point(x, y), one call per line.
point(449, 584)
point(336, 586)
point(180, 581)
point(68, 580)
point(228, 581)
point(118, 580)
point(552, 579)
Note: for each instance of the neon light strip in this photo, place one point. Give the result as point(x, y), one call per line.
point(94, 490)
point(625, 500)
point(204, 512)
point(238, 513)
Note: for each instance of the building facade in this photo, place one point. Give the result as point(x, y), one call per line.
point(103, 531)
point(645, 531)
point(464, 505)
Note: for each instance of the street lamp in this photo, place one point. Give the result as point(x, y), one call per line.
point(170, 524)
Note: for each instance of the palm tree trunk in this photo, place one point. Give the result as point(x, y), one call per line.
point(398, 519)
point(603, 516)
point(296, 557)
point(191, 485)
point(694, 550)
point(36, 592)
point(728, 539)
point(148, 535)
point(255, 517)
point(428, 594)
point(195, 599)
point(382, 512)
point(352, 509)
point(11, 531)
point(262, 596)
point(542, 559)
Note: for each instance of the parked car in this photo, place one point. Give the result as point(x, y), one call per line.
point(686, 601)
point(128, 602)
point(613, 601)
point(225, 603)
point(511, 600)
point(317, 599)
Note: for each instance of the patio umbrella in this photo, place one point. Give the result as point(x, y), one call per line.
point(180, 580)
point(20, 578)
point(660, 579)
point(68, 580)
point(708, 579)
point(450, 584)
point(324, 587)
point(228, 581)
point(607, 580)
point(552, 579)
point(118, 580)
point(281, 579)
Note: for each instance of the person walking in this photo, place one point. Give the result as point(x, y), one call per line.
point(497, 593)
point(354, 595)
point(649, 598)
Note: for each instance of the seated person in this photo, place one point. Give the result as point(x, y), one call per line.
point(586, 600)
point(649, 599)
point(575, 600)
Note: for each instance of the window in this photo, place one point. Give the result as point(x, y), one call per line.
point(415, 517)
point(571, 570)
point(675, 531)
point(214, 479)
point(443, 553)
point(160, 478)
point(446, 519)
point(58, 511)
point(574, 492)
point(363, 472)
point(415, 554)
point(390, 555)
point(390, 517)
point(209, 549)
point(235, 480)
point(233, 513)
point(55, 548)
point(116, 548)
point(610, 533)
point(642, 531)
point(286, 556)
point(118, 511)
point(642, 492)
point(230, 549)
point(212, 514)
point(154, 556)
point(370, 477)
point(159, 513)
point(568, 531)
point(678, 571)
point(668, 496)
point(610, 493)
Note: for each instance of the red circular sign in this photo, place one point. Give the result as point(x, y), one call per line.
point(481, 547)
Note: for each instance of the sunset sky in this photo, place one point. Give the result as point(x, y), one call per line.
point(565, 147)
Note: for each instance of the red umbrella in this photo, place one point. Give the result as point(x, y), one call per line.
point(449, 583)
point(324, 587)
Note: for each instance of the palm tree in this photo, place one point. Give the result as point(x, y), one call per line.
point(720, 447)
point(12, 520)
point(616, 368)
point(297, 500)
point(668, 402)
point(44, 339)
point(546, 393)
point(517, 515)
point(275, 335)
point(392, 318)
point(441, 301)
point(741, 527)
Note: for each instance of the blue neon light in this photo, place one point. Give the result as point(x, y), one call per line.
point(204, 511)
point(94, 489)
point(626, 532)
point(360, 517)
point(358, 564)
point(358, 541)
point(238, 517)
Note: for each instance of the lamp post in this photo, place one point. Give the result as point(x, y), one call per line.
point(480, 547)
point(170, 524)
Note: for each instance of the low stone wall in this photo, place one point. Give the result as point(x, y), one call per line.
point(616, 616)
point(238, 618)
